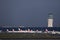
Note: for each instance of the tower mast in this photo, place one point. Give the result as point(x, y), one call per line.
point(50, 20)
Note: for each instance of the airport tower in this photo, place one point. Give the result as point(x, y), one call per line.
point(50, 20)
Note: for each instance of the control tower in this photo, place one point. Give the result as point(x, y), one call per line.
point(50, 20)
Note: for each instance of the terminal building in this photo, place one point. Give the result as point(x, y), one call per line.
point(49, 28)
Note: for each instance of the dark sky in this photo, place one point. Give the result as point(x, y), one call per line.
point(29, 12)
